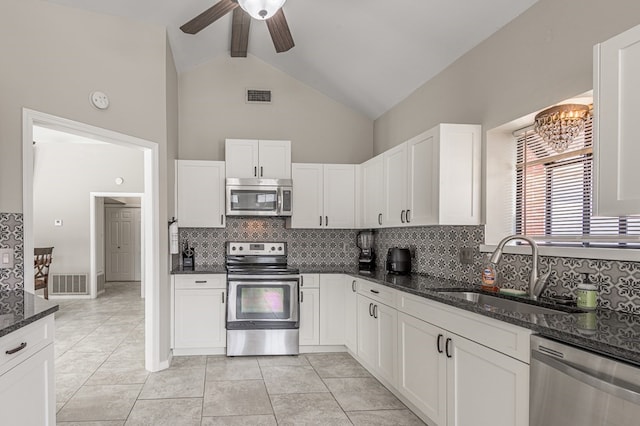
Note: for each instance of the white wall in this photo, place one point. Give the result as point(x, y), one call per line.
point(212, 108)
point(537, 60)
point(64, 176)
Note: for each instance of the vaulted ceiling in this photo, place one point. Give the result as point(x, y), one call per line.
point(367, 54)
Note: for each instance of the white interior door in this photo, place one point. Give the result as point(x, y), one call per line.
point(120, 243)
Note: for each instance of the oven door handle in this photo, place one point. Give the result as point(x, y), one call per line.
point(617, 387)
point(253, 279)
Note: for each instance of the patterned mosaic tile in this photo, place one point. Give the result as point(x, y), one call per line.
point(12, 236)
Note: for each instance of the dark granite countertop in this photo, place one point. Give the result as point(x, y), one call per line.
point(200, 269)
point(19, 308)
point(612, 333)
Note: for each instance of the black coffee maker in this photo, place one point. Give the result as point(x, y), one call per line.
point(188, 257)
point(367, 259)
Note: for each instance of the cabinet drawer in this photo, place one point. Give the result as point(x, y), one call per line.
point(310, 281)
point(377, 292)
point(197, 281)
point(30, 338)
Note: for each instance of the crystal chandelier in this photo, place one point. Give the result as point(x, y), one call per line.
point(559, 125)
point(261, 9)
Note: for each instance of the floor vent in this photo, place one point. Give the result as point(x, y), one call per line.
point(255, 96)
point(68, 284)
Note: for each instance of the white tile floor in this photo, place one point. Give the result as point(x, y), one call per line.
point(101, 380)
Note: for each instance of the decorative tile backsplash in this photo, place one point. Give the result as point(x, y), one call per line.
point(317, 247)
point(436, 251)
point(12, 236)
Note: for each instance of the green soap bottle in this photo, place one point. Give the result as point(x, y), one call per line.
point(587, 294)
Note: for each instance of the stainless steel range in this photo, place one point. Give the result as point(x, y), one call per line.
point(263, 309)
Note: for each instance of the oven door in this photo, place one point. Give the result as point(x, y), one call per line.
point(259, 303)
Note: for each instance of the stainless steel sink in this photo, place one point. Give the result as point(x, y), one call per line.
point(488, 301)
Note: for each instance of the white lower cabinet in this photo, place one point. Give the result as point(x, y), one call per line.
point(332, 309)
point(351, 314)
point(199, 314)
point(27, 387)
point(309, 316)
point(377, 330)
point(455, 381)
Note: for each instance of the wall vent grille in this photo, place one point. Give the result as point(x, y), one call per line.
point(68, 284)
point(257, 96)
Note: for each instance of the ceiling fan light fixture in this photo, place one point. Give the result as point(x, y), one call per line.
point(261, 9)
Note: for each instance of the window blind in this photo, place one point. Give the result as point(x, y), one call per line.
point(554, 202)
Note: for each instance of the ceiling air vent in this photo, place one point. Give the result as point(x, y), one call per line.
point(256, 96)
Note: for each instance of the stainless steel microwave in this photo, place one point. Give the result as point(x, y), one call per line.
point(259, 197)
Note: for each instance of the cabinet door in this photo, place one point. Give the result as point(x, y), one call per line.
point(200, 191)
point(339, 196)
point(307, 196)
point(386, 319)
point(275, 160)
point(27, 391)
point(617, 107)
point(395, 185)
point(351, 315)
point(422, 369)
point(422, 182)
point(309, 281)
point(372, 178)
point(459, 174)
point(241, 158)
point(199, 318)
point(485, 387)
point(367, 332)
point(332, 309)
point(309, 316)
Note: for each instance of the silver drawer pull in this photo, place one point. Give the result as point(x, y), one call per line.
point(374, 291)
point(201, 282)
point(18, 349)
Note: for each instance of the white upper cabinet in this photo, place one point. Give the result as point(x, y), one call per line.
point(372, 194)
point(616, 109)
point(431, 179)
point(395, 185)
point(324, 196)
point(200, 193)
point(247, 158)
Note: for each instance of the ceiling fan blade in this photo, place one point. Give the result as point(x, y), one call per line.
point(209, 16)
point(240, 33)
point(279, 30)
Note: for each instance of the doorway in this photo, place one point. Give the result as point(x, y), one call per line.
point(150, 210)
point(122, 242)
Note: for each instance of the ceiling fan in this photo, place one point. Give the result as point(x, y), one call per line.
point(243, 10)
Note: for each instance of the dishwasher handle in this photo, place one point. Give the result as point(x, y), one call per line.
point(605, 383)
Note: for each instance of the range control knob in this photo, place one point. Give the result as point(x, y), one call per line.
point(280, 248)
point(240, 248)
point(233, 248)
point(273, 249)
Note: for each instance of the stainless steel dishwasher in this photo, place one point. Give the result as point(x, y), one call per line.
point(571, 386)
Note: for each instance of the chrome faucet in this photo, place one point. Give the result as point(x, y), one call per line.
point(537, 283)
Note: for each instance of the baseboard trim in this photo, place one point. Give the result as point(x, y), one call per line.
point(199, 351)
point(320, 349)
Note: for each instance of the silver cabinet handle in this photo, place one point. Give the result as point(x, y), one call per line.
point(301, 296)
point(407, 216)
point(255, 171)
point(353, 286)
point(261, 171)
point(221, 219)
point(201, 282)
point(301, 280)
point(402, 216)
point(326, 221)
point(374, 291)
point(370, 309)
point(223, 297)
point(439, 343)
point(320, 220)
point(447, 347)
point(375, 311)
point(379, 218)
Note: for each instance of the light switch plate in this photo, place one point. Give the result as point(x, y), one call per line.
point(6, 258)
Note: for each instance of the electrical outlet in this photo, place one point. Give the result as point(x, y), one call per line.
point(6, 258)
point(466, 255)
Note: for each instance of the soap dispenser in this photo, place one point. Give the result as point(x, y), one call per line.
point(587, 293)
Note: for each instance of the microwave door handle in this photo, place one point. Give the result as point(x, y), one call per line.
point(280, 197)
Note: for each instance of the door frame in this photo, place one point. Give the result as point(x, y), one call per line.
point(150, 203)
point(94, 238)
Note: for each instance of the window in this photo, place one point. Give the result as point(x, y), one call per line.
point(554, 196)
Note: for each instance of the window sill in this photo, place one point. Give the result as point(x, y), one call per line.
point(631, 255)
